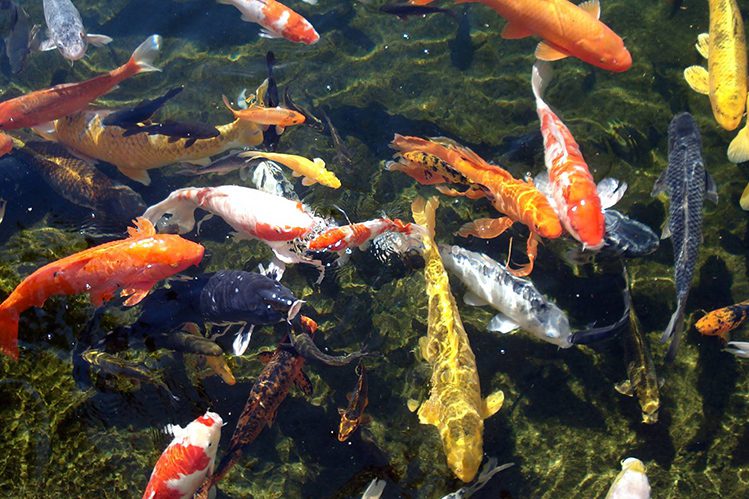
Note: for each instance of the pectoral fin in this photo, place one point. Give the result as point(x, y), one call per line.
point(515, 32)
point(97, 40)
point(135, 295)
point(548, 53)
point(501, 323)
point(711, 190)
point(703, 41)
point(698, 80)
point(666, 232)
point(429, 413)
point(744, 201)
point(610, 191)
point(625, 388)
point(138, 175)
point(47, 44)
point(660, 185)
point(470, 298)
point(492, 404)
point(306, 181)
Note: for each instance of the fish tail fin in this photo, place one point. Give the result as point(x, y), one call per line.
point(674, 329)
point(540, 78)
point(228, 104)
point(738, 150)
point(180, 205)
point(9, 332)
point(146, 53)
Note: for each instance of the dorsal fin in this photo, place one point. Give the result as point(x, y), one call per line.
point(592, 7)
point(142, 227)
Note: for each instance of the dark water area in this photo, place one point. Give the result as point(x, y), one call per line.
point(562, 424)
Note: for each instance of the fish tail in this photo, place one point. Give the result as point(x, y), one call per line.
point(738, 150)
point(540, 78)
point(674, 329)
point(181, 205)
point(9, 332)
point(228, 104)
point(145, 54)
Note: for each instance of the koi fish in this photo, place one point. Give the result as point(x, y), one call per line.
point(283, 368)
point(404, 11)
point(253, 214)
point(192, 131)
point(489, 469)
point(217, 363)
point(312, 171)
point(21, 37)
point(725, 79)
point(359, 235)
point(642, 379)
point(565, 28)
point(572, 189)
point(278, 116)
point(455, 405)
point(305, 346)
point(65, 31)
point(428, 169)
point(276, 20)
point(133, 156)
point(631, 482)
point(79, 182)
point(50, 104)
point(130, 266)
point(188, 459)
point(722, 321)
point(353, 415)
point(519, 200)
point(132, 116)
point(688, 184)
point(118, 367)
point(738, 348)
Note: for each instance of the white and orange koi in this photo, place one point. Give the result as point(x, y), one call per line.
point(277, 221)
point(188, 460)
point(276, 19)
point(359, 235)
point(571, 188)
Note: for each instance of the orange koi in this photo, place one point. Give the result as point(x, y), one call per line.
point(267, 116)
point(566, 29)
point(722, 321)
point(52, 103)
point(519, 200)
point(353, 415)
point(131, 266)
point(358, 235)
point(571, 186)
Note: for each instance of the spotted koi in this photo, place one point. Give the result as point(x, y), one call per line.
point(276, 19)
point(722, 321)
point(358, 235)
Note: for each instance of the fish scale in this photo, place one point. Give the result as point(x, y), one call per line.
point(688, 185)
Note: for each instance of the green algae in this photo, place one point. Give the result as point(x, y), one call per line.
point(563, 423)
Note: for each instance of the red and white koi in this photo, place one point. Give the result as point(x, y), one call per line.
point(188, 459)
point(571, 190)
point(276, 19)
point(359, 235)
point(254, 214)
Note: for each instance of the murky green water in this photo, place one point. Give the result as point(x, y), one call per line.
point(563, 423)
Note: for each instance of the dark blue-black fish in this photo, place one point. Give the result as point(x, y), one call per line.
point(271, 136)
point(130, 117)
point(688, 185)
point(177, 130)
point(404, 11)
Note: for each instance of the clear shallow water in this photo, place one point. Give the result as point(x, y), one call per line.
point(563, 423)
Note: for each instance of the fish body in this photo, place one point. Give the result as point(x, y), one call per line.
point(631, 482)
point(20, 36)
point(136, 154)
point(306, 347)
point(269, 177)
point(688, 184)
point(518, 303)
point(519, 200)
point(130, 267)
point(725, 80)
point(359, 235)
point(572, 188)
point(277, 116)
point(41, 106)
point(65, 30)
point(276, 19)
point(132, 116)
point(566, 29)
point(190, 130)
point(80, 182)
point(642, 380)
point(358, 399)
point(428, 169)
point(722, 321)
point(455, 405)
point(188, 460)
point(111, 364)
point(404, 11)
point(283, 369)
point(312, 171)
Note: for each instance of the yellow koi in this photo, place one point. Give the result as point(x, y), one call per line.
point(313, 171)
point(725, 50)
point(136, 154)
point(455, 405)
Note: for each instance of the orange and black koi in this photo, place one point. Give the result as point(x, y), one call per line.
point(353, 415)
point(722, 321)
point(283, 368)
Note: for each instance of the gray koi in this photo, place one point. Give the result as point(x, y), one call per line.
point(65, 31)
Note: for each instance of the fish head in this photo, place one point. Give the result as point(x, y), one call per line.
point(205, 433)
point(347, 426)
point(72, 45)
point(586, 221)
point(462, 440)
point(120, 202)
point(650, 411)
point(607, 53)
point(546, 224)
point(556, 326)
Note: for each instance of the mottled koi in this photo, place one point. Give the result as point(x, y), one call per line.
point(722, 321)
point(353, 415)
point(359, 235)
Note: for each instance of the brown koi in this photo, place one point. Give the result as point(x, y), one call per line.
point(353, 415)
